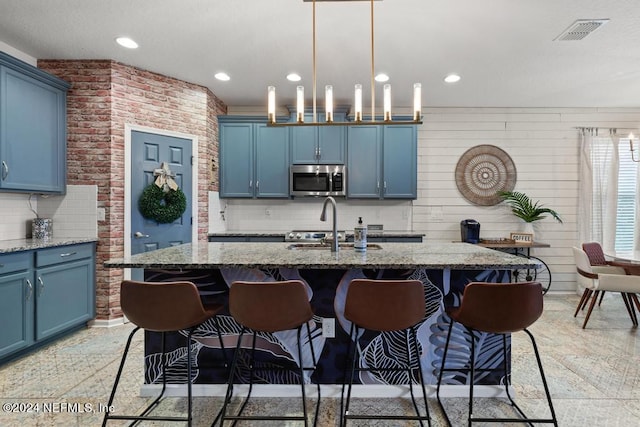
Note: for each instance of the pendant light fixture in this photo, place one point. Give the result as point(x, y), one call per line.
point(358, 114)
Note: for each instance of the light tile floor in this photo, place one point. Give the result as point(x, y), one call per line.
point(593, 374)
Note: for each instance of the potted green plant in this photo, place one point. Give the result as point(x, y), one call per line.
point(524, 208)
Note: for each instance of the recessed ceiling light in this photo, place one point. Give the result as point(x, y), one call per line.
point(382, 77)
point(452, 78)
point(127, 42)
point(222, 76)
point(294, 77)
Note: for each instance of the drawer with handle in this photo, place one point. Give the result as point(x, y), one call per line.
point(15, 262)
point(63, 254)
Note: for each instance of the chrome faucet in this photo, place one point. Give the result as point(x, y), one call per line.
point(323, 217)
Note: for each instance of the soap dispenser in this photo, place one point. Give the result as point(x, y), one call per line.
point(360, 236)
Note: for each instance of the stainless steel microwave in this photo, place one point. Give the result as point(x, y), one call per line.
point(317, 180)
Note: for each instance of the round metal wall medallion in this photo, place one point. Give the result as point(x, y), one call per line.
point(482, 171)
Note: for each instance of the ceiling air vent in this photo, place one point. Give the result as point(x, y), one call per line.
point(581, 29)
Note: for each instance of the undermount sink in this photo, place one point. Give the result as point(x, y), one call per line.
point(347, 246)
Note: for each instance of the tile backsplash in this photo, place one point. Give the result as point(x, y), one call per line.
point(304, 214)
point(74, 214)
point(15, 215)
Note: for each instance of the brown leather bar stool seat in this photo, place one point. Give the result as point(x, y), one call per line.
point(497, 308)
point(385, 306)
point(162, 307)
point(268, 307)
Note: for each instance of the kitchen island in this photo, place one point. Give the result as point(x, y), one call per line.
point(444, 269)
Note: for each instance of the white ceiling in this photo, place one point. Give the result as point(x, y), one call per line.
point(503, 49)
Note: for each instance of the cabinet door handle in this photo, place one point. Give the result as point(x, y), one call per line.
point(5, 170)
point(257, 185)
point(250, 184)
point(41, 287)
point(30, 289)
point(319, 153)
point(67, 254)
point(384, 187)
point(377, 185)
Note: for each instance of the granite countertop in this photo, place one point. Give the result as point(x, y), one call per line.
point(17, 245)
point(434, 255)
point(270, 233)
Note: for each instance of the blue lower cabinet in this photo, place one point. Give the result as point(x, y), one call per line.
point(16, 311)
point(44, 293)
point(64, 297)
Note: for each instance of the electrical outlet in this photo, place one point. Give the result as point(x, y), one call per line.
point(329, 327)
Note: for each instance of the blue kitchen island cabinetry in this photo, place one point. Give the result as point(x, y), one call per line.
point(382, 162)
point(254, 160)
point(44, 293)
point(32, 128)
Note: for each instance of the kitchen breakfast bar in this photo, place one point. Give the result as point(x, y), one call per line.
point(444, 269)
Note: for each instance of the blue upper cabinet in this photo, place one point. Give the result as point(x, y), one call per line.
point(32, 129)
point(364, 161)
point(236, 160)
point(254, 160)
point(272, 161)
point(382, 162)
point(400, 162)
point(323, 145)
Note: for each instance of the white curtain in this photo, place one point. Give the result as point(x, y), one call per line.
point(598, 188)
point(636, 229)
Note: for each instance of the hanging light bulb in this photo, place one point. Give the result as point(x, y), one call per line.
point(386, 90)
point(328, 99)
point(417, 101)
point(358, 103)
point(300, 104)
point(271, 104)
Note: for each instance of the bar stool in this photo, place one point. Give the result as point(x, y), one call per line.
point(162, 307)
point(498, 308)
point(268, 307)
point(385, 306)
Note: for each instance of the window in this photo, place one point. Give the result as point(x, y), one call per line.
point(627, 182)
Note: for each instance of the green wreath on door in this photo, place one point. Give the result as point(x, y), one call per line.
point(162, 201)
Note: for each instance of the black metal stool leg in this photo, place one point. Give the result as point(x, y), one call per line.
point(232, 369)
point(353, 334)
point(144, 414)
point(189, 385)
point(553, 420)
point(226, 365)
point(442, 369)
point(304, 396)
point(472, 378)
point(315, 364)
point(420, 378)
point(346, 372)
point(118, 375)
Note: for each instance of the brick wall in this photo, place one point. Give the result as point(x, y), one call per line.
point(105, 95)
